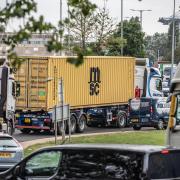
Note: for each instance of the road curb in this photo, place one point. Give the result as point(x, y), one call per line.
point(26, 144)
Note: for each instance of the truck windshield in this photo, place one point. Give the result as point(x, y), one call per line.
point(164, 165)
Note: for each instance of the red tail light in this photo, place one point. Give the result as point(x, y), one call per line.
point(151, 109)
point(47, 120)
point(165, 151)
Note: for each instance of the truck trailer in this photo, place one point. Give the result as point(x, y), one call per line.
point(100, 82)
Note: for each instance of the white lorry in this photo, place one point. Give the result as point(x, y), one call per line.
point(9, 90)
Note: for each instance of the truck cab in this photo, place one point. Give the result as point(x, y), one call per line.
point(9, 90)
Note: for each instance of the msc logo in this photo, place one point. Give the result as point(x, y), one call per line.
point(94, 83)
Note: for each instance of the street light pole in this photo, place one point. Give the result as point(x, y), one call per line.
point(173, 38)
point(141, 12)
point(122, 27)
point(61, 25)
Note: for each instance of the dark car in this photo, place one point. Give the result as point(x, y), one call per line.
point(105, 162)
point(148, 112)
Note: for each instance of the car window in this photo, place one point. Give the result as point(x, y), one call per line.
point(164, 165)
point(96, 164)
point(7, 142)
point(82, 165)
point(123, 165)
point(43, 164)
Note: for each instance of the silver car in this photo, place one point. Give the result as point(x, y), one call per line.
point(11, 152)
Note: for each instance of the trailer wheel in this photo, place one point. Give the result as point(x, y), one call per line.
point(36, 131)
point(73, 124)
point(121, 121)
point(60, 126)
point(160, 125)
point(25, 131)
point(81, 124)
point(136, 127)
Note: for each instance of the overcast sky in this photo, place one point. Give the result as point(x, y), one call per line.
point(160, 8)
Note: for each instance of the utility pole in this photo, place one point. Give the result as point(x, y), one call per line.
point(141, 12)
point(122, 27)
point(61, 25)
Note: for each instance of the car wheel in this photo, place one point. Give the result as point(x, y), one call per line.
point(25, 131)
point(136, 127)
point(121, 122)
point(81, 124)
point(160, 125)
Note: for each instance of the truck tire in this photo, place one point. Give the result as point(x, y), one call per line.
point(36, 131)
point(25, 131)
point(73, 124)
point(160, 125)
point(121, 121)
point(136, 127)
point(10, 129)
point(81, 124)
point(59, 127)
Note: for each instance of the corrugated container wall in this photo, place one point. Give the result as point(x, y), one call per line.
point(99, 81)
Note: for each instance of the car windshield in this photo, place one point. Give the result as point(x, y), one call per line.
point(164, 165)
point(7, 142)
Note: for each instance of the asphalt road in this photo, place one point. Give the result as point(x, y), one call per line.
point(32, 136)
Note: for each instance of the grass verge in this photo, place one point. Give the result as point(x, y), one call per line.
point(142, 137)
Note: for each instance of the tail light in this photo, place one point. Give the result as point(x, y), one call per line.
point(47, 120)
point(165, 151)
point(151, 109)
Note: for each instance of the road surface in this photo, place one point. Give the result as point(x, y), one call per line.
point(32, 136)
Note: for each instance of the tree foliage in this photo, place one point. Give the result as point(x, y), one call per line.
point(133, 39)
point(21, 9)
point(155, 43)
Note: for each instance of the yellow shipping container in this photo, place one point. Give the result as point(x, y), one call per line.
point(100, 81)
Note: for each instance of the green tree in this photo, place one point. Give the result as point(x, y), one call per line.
point(155, 43)
point(20, 9)
point(133, 39)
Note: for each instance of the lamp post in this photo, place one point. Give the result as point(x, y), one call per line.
point(61, 25)
point(122, 26)
point(173, 40)
point(141, 12)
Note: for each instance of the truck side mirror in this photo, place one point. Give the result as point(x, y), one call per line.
point(18, 88)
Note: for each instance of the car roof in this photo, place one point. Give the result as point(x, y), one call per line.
point(4, 135)
point(123, 147)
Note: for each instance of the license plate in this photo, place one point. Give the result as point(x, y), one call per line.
point(5, 155)
point(27, 120)
point(134, 120)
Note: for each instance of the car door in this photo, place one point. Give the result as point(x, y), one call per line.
point(145, 110)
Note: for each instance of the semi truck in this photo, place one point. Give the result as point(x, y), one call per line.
point(147, 82)
point(99, 83)
point(9, 91)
